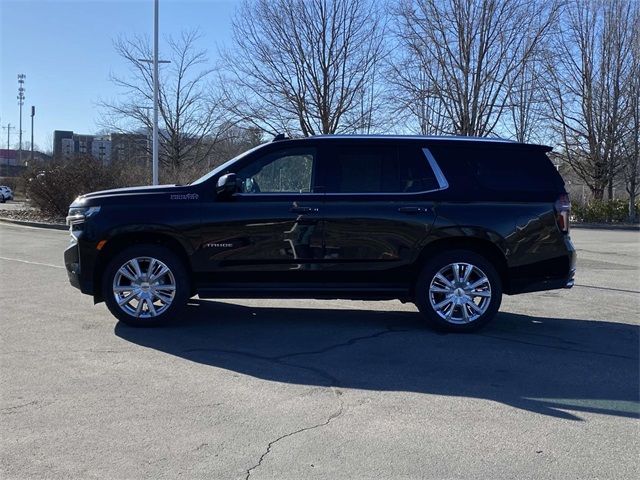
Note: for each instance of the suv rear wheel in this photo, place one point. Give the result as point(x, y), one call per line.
point(145, 285)
point(458, 291)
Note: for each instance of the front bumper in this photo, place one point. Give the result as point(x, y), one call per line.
point(72, 264)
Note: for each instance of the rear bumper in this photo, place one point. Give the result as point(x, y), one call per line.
point(551, 274)
point(526, 286)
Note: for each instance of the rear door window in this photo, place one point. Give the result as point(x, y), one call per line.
point(371, 168)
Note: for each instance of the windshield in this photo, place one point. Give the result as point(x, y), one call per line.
point(225, 165)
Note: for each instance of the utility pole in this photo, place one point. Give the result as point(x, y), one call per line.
point(21, 79)
point(8, 128)
point(33, 114)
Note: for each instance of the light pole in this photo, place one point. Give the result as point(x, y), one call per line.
point(21, 79)
point(156, 88)
point(33, 114)
point(155, 91)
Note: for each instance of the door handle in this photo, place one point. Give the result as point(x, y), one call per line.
point(303, 210)
point(413, 210)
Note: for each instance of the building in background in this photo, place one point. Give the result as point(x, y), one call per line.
point(8, 157)
point(101, 149)
point(106, 148)
point(133, 147)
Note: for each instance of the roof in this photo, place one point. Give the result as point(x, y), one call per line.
point(420, 137)
point(451, 139)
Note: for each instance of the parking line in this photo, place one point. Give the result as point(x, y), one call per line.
point(31, 263)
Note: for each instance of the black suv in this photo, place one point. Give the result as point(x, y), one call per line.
point(448, 223)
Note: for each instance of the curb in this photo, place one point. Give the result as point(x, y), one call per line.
point(25, 223)
point(606, 226)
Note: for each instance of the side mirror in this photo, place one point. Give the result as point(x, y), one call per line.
point(227, 185)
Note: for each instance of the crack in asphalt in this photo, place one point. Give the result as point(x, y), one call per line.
point(556, 347)
point(331, 417)
point(607, 288)
point(278, 359)
point(333, 381)
point(348, 343)
point(7, 410)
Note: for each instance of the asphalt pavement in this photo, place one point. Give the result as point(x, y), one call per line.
point(297, 389)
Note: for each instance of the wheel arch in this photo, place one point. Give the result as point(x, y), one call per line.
point(123, 240)
point(482, 246)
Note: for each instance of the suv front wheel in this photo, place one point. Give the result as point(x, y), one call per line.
point(145, 285)
point(458, 291)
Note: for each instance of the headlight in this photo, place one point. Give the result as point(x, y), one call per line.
point(78, 215)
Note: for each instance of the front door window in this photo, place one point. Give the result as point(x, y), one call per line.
point(286, 171)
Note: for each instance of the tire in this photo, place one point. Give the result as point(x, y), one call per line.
point(151, 303)
point(447, 307)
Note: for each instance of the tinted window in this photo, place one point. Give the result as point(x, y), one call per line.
point(286, 171)
point(378, 169)
point(411, 172)
point(497, 168)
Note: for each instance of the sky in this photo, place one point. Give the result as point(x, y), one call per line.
point(65, 49)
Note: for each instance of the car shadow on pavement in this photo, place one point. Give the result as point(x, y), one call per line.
point(544, 365)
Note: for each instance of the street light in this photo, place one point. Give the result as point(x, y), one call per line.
point(33, 114)
point(155, 91)
point(156, 88)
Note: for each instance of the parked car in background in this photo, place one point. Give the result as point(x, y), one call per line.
point(445, 222)
point(7, 193)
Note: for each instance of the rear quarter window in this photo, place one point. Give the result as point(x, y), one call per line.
point(501, 168)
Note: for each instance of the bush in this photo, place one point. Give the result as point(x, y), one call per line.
point(602, 211)
point(51, 187)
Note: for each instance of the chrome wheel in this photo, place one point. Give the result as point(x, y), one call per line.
point(460, 293)
point(144, 287)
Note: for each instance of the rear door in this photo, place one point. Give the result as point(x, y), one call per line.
point(377, 211)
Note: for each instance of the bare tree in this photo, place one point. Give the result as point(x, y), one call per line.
point(471, 54)
point(191, 116)
point(526, 101)
point(588, 100)
point(410, 91)
point(631, 140)
point(304, 66)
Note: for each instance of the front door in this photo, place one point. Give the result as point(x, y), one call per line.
point(270, 230)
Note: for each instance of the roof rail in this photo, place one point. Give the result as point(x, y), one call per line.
point(279, 137)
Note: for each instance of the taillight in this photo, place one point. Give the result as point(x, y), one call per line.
point(563, 209)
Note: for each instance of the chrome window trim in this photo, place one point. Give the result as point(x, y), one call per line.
point(442, 181)
point(443, 184)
